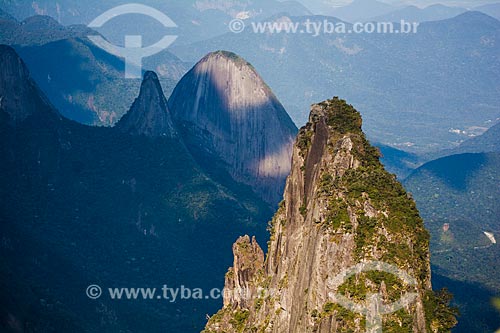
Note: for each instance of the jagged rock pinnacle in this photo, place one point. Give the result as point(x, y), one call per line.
point(19, 95)
point(341, 209)
point(149, 114)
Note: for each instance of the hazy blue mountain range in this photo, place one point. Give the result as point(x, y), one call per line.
point(492, 9)
point(359, 10)
point(83, 205)
point(76, 12)
point(384, 11)
point(97, 93)
point(402, 163)
point(416, 14)
point(458, 198)
point(412, 89)
point(487, 142)
point(197, 19)
point(345, 64)
point(38, 30)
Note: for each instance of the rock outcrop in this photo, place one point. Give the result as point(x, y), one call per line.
point(346, 233)
point(224, 109)
point(248, 262)
point(149, 114)
point(19, 95)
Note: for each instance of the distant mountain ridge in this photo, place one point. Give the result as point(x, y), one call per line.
point(302, 69)
point(97, 94)
point(196, 19)
point(427, 10)
point(492, 9)
point(415, 14)
point(39, 30)
point(359, 10)
point(487, 142)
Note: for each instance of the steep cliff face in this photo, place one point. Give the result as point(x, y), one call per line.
point(149, 115)
point(19, 96)
point(341, 210)
point(225, 110)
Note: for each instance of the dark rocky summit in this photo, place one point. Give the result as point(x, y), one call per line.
point(19, 96)
point(149, 115)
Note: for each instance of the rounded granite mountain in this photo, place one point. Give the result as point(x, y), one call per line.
point(225, 109)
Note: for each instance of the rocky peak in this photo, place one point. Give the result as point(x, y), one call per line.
point(341, 211)
point(248, 263)
point(19, 95)
point(149, 114)
point(224, 106)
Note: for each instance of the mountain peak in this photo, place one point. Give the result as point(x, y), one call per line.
point(341, 211)
point(227, 109)
point(33, 23)
point(226, 56)
point(472, 17)
point(150, 75)
point(19, 95)
point(149, 114)
point(342, 117)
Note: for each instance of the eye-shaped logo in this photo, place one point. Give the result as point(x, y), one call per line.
point(133, 52)
point(374, 306)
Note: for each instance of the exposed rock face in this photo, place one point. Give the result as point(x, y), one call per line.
point(340, 209)
point(248, 262)
point(149, 115)
point(19, 96)
point(225, 109)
